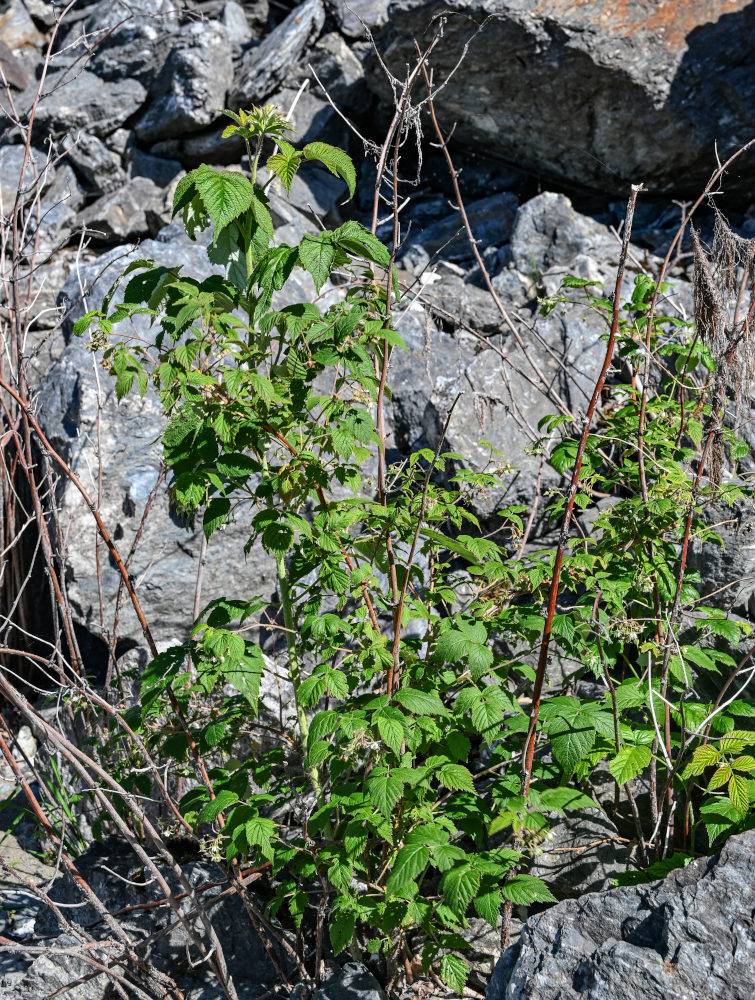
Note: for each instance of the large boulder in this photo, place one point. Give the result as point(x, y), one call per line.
point(191, 86)
point(689, 937)
point(590, 93)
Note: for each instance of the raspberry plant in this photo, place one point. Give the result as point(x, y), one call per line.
point(396, 804)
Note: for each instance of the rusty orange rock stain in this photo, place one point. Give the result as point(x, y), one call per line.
point(670, 21)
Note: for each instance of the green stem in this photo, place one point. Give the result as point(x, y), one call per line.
point(294, 670)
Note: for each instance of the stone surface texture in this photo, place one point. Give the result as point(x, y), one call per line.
point(689, 937)
point(651, 86)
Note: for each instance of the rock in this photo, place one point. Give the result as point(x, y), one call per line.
point(11, 164)
point(341, 73)
point(235, 22)
point(689, 936)
point(140, 42)
point(12, 68)
point(16, 27)
point(581, 853)
point(734, 562)
point(99, 166)
point(191, 86)
point(550, 233)
point(353, 15)
point(264, 67)
point(42, 11)
point(641, 103)
point(351, 982)
point(85, 102)
point(312, 118)
point(165, 566)
point(104, 866)
point(125, 213)
point(491, 220)
point(159, 170)
point(453, 302)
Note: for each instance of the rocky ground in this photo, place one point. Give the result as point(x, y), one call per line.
point(557, 108)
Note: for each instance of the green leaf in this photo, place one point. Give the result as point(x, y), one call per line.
point(525, 889)
point(384, 790)
point(571, 743)
point(215, 806)
point(285, 163)
point(259, 833)
point(739, 795)
point(454, 972)
point(226, 194)
point(629, 762)
point(488, 904)
point(410, 862)
point(245, 674)
point(391, 728)
point(459, 888)
point(456, 777)
point(703, 757)
point(215, 514)
point(317, 254)
point(341, 930)
point(337, 162)
point(420, 702)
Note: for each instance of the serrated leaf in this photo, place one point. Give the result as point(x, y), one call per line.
point(215, 806)
point(703, 757)
point(459, 887)
point(259, 833)
point(384, 791)
point(226, 194)
point(629, 762)
point(719, 779)
point(337, 162)
point(739, 795)
point(410, 862)
point(317, 254)
point(285, 163)
point(456, 777)
point(341, 930)
point(525, 889)
point(215, 514)
point(487, 718)
point(571, 743)
point(488, 904)
point(420, 702)
point(391, 729)
point(454, 972)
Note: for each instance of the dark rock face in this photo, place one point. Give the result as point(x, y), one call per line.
point(84, 101)
point(689, 937)
point(264, 67)
point(191, 86)
point(595, 94)
point(105, 866)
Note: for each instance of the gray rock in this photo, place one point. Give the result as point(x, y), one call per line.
point(83, 101)
point(491, 220)
point(641, 105)
point(341, 73)
point(191, 86)
point(104, 866)
point(125, 213)
point(734, 562)
point(235, 22)
point(11, 164)
point(165, 567)
point(354, 15)
point(43, 11)
point(581, 853)
point(689, 937)
point(99, 166)
point(159, 170)
point(351, 982)
point(264, 67)
point(16, 27)
point(137, 48)
point(13, 68)
point(312, 118)
point(454, 302)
